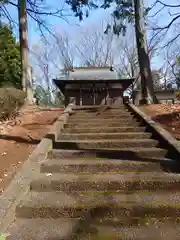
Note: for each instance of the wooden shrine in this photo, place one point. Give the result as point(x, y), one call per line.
point(93, 86)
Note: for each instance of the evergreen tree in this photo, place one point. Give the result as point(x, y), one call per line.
point(10, 63)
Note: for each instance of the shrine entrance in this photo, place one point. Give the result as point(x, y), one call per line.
point(101, 87)
point(93, 93)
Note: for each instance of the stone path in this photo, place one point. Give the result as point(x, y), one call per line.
point(106, 178)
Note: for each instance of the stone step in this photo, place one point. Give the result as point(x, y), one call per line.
point(43, 229)
point(93, 136)
point(102, 115)
point(100, 119)
point(117, 123)
point(153, 231)
point(96, 166)
point(105, 116)
point(89, 107)
point(105, 182)
point(96, 144)
point(107, 204)
point(61, 229)
point(135, 221)
point(145, 154)
point(156, 231)
point(99, 110)
point(104, 129)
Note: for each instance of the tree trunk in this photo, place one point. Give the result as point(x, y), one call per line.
point(23, 36)
point(147, 88)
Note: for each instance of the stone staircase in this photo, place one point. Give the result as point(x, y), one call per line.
point(106, 178)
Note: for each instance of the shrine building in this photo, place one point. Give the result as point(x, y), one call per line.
point(93, 86)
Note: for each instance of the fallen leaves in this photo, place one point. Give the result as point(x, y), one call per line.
point(168, 115)
point(17, 136)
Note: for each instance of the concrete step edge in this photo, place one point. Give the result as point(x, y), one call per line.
point(58, 204)
point(109, 140)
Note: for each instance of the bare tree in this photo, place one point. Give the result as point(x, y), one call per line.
point(172, 55)
point(25, 67)
point(127, 57)
point(65, 49)
point(169, 24)
point(43, 57)
point(147, 89)
point(95, 48)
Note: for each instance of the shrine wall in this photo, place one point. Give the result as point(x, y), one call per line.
point(94, 94)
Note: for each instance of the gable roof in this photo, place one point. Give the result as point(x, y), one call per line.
point(61, 84)
point(92, 73)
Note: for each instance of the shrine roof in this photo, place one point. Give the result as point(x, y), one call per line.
point(61, 83)
point(89, 75)
point(92, 74)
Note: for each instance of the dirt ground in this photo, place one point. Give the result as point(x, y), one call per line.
point(168, 115)
point(18, 138)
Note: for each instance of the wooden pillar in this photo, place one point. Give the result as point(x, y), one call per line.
point(94, 92)
point(66, 97)
point(106, 93)
point(80, 95)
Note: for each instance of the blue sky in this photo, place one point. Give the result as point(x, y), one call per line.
point(95, 17)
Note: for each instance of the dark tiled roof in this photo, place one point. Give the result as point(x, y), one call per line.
point(93, 74)
point(90, 68)
point(62, 83)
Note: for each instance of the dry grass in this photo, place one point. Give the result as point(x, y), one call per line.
point(11, 100)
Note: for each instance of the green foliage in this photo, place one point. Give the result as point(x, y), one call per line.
point(41, 95)
point(59, 101)
point(10, 61)
point(11, 99)
point(44, 97)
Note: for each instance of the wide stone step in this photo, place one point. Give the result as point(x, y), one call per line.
point(101, 121)
point(43, 229)
point(105, 116)
point(152, 231)
point(106, 204)
point(97, 119)
point(105, 182)
point(104, 129)
point(145, 154)
point(96, 166)
point(117, 123)
point(96, 144)
point(100, 110)
point(135, 221)
point(89, 107)
point(93, 136)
